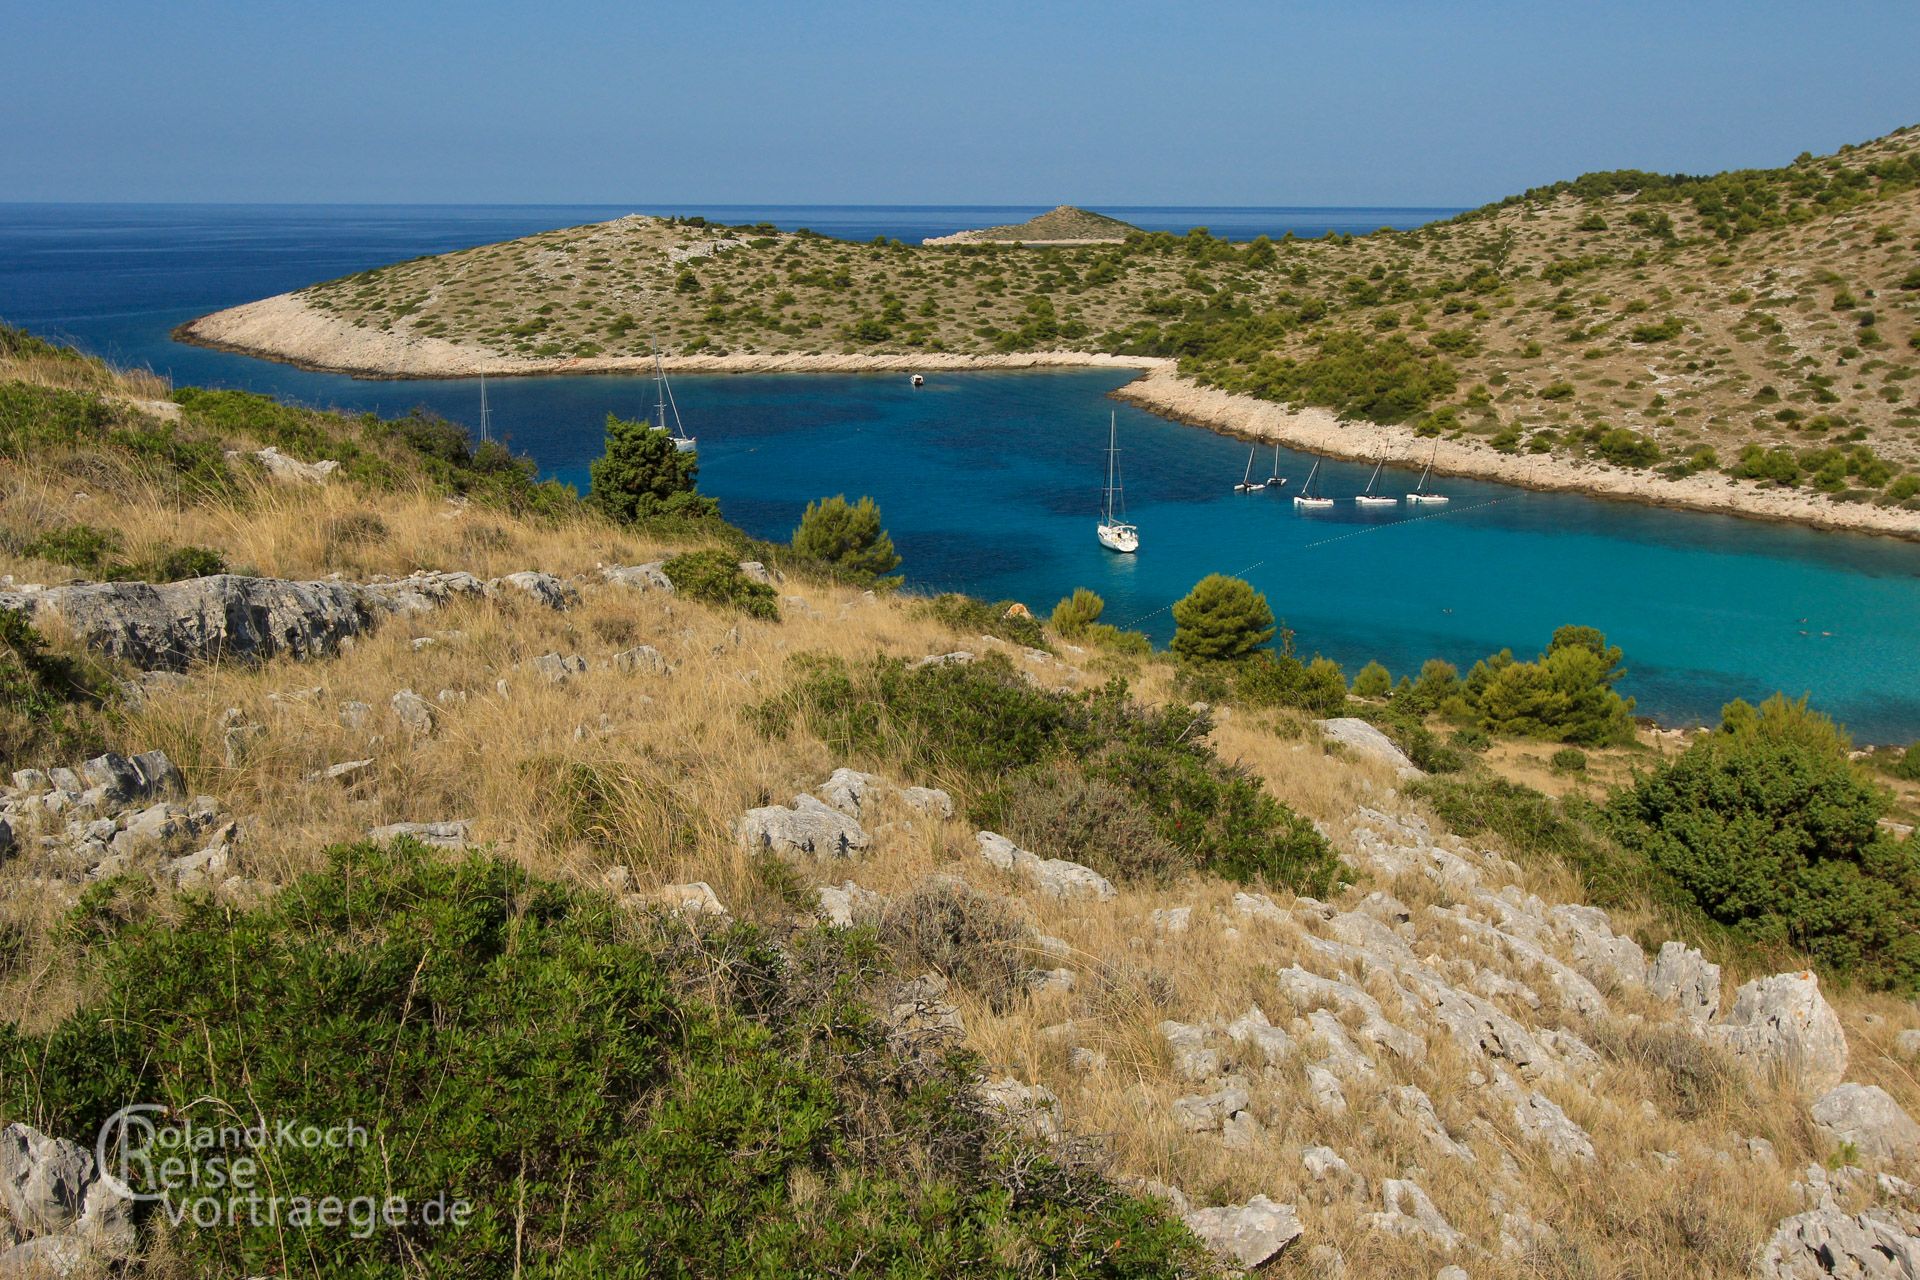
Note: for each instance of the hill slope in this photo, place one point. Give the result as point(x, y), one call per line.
point(639, 1004)
point(1064, 225)
point(1753, 333)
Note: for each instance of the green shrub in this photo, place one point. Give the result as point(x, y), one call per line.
point(1221, 619)
point(983, 725)
point(715, 577)
point(1372, 681)
point(1282, 680)
point(1907, 765)
point(1412, 736)
point(847, 536)
point(975, 939)
point(1059, 811)
point(1671, 327)
point(1772, 830)
point(1074, 614)
point(1566, 695)
point(175, 564)
point(520, 1047)
point(1568, 760)
point(49, 704)
point(1008, 619)
point(643, 475)
point(78, 546)
point(1624, 448)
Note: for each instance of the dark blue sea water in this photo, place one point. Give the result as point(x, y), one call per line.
point(990, 482)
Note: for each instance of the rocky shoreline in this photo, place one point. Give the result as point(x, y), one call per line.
point(1320, 431)
point(285, 328)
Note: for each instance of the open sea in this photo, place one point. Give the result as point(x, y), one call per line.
point(990, 482)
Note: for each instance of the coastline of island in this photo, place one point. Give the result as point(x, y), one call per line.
point(284, 328)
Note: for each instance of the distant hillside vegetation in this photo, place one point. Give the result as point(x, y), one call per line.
point(1763, 324)
point(1065, 224)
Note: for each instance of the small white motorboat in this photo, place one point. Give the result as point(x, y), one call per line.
point(919, 381)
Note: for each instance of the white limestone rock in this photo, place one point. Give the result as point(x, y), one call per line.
point(848, 790)
point(931, 801)
point(1827, 1242)
point(43, 1180)
point(1249, 1235)
point(1252, 1030)
point(1410, 1212)
point(1364, 740)
point(450, 834)
point(1688, 980)
point(1055, 877)
point(1192, 1059)
point(693, 900)
point(807, 826)
point(1867, 1117)
point(1783, 1022)
point(1541, 1120)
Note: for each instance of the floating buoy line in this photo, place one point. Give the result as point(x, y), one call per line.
point(1325, 542)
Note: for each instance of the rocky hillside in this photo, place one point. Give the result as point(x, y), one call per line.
point(1064, 225)
point(1756, 327)
point(868, 931)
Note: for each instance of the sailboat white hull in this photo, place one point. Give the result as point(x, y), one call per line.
point(685, 444)
point(1118, 537)
point(1435, 498)
point(1277, 482)
point(1301, 500)
point(1364, 501)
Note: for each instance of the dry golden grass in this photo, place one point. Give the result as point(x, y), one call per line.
point(647, 772)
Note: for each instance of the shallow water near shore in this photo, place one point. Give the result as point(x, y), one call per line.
point(990, 482)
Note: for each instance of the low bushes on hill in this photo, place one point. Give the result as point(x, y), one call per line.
point(602, 1100)
point(1773, 831)
point(1007, 619)
point(99, 553)
point(643, 475)
point(715, 577)
point(1566, 695)
point(1148, 795)
point(50, 705)
point(849, 537)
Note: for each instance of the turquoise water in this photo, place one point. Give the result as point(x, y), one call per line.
point(990, 482)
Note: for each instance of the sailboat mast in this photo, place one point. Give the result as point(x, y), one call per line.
point(659, 392)
point(1113, 443)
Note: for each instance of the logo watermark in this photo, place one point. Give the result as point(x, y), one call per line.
point(213, 1175)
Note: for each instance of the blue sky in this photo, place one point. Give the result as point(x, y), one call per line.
point(755, 101)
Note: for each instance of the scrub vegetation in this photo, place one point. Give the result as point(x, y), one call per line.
point(1764, 324)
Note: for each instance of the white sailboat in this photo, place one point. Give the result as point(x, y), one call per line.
point(1420, 491)
point(486, 414)
point(1114, 532)
point(663, 402)
point(1368, 498)
point(1306, 498)
point(1246, 484)
point(1276, 480)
